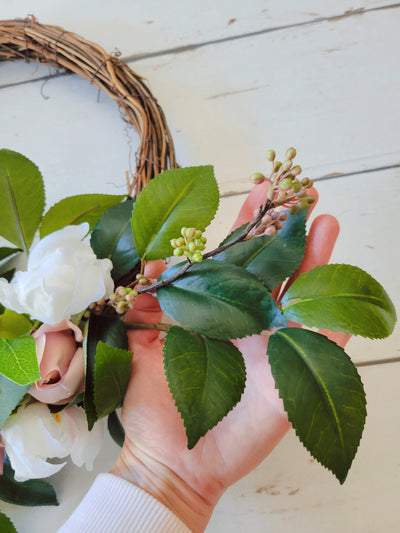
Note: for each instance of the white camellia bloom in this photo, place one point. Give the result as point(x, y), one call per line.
point(63, 277)
point(33, 435)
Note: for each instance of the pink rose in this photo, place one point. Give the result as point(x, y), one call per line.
point(61, 364)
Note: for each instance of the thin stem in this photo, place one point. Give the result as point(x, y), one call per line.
point(239, 238)
point(160, 326)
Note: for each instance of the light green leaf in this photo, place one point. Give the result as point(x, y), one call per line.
point(271, 258)
point(18, 360)
point(77, 209)
point(30, 493)
point(13, 324)
point(111, 331)
point(220, 300)
point(340, 298)
point(111, 377)
point(6, 526)
point(206, 378)
point(10, 396)
point(322, 395)
point(176, 198)
point(6, 252)
point(21, 198)
point(112, 238)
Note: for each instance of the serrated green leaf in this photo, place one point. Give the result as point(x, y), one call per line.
point(8, 252)
point(21, 198)
point(206, 378)
point(322, 395)
point(13, 324)
point(77, 209)
point(271, 258)
point(29, 493)
point(220, 300)
point(111, 331)
point(115, 429)
point(111, 377)
point(6, 526)
point(340, 298)
point(18, 360)
point(10, 395)
point(176, 198)
point(112, 238)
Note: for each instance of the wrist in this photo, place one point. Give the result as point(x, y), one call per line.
point(164, 485)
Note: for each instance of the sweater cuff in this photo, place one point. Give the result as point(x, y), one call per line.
point(114, 504)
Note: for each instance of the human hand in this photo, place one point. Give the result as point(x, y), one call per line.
point(155, 455)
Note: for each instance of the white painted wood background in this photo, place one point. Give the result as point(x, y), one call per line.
point(234, 79)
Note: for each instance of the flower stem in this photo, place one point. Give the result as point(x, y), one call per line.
point(160, 326)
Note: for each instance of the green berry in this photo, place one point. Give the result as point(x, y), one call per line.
point(178, 252)
point(199, 233)
point(305, 182)
point(190, 233)
point(293, 209)
point(310, 199)
point(197, 257)
point(203, 239)
point(257, 178)
point(302, 204)
point(270, 155)
point(286, 183)
point(200, 245)
point(183, 231)
point(277, 165)
point(290, 153)
point(173, 243)
point(296, 186)
point(180, 242)
point(296, 170)
point(192, 247)
point(286, 165)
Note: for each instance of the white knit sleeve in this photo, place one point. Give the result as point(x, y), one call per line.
point(115, 505)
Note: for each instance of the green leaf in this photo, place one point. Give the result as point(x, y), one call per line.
point(28, 493)
point(176, 198)
point(220, 300)
point(206, 378)
point(18, 360)
point(112, 238)
point(6, 526)
point(8, 275)
point(21, 198)
point(77, 209)
point(111, 377)
point(322, 395)
point(115, 428)
point(13, 324)
point(8, 252)
point(10, 395)
point(340, 298)
point(273, 258)
point(111, 331)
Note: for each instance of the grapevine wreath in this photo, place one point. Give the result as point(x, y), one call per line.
point(102, 244)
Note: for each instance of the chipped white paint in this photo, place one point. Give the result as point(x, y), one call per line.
point(329, 88)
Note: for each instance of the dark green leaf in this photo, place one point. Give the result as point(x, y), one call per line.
point(6, 526)
point(112, 238)
point(322, 394)
point(13, 324)
point(176, 198)
point(111, 377)
point(18, 360)
point(220, 300)
point(340, 298)
point(115, 429)
point(273, 258)
point(8, 252)
point(28, 493)
point(206, 378)
point(8, 275)
point(21, 198)
point(77, 209)
point(111, 331)
point(10, 395)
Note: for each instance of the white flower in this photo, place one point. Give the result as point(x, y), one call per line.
point(63, 277)
point(33, 435)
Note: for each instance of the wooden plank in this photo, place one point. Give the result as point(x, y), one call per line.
point(144, 26)
point(289, 491)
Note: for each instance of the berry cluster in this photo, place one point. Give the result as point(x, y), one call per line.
point(191, 243)
point(270, 223)
point(123, 299)
point(285, 187)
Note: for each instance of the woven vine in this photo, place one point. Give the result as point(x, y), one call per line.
point(28, 40)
